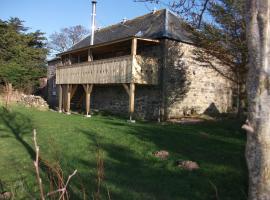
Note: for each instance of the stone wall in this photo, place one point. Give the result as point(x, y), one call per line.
point(51, 82)
point(191, 86)
point(114, 99)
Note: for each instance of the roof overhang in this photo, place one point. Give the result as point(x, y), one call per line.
point(148, 40)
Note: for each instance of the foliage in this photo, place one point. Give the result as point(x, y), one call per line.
point(224, 37)
point(22, 54)
point(192, 11)
point(219, 29)
point(130, 170)
point(66, 38)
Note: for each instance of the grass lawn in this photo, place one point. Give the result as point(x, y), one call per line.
point(131, 172)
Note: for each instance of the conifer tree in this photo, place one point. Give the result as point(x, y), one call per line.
point(22, 55)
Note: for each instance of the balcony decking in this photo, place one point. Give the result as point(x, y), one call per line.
point(126, 69)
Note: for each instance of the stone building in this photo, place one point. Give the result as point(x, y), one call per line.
point(51, 81)
point(144, 67)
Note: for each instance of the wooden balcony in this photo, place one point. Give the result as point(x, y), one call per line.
point(125, 69)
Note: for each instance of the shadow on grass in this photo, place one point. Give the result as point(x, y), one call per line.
point(18, 125)
point(217, 147)
point(131, 172)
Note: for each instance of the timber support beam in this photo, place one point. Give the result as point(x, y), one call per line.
point(60, 98)
point(131, 93)
point(88, 90)
point(68, 98)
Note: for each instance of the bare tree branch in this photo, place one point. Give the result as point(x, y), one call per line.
point(66, 38)
point(36, 164)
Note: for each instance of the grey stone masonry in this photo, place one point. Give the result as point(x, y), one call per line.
point(193, 87)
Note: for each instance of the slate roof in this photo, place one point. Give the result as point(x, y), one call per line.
point(157, 25)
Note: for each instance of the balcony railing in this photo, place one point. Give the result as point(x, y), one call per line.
point(125, 69)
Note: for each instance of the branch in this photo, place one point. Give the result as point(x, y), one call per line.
point(64, 189)
point(202, 12)
point(36, 162)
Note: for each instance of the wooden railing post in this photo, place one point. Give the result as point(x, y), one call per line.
point(134, 47)
point(69, 59)
point(90, 56)
point(60, 98)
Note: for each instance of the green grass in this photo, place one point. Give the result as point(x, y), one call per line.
point(131, 172)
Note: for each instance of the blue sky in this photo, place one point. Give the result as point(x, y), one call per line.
point(52, 15)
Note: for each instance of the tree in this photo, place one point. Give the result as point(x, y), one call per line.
point(224, 37)
point(192, 11)
point(258, 84)
point(66, 38)
point(22, 54)
point(220, 32)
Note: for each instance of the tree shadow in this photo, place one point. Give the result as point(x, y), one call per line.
point(212, 110)
point(19, 125)
point(216, 146)
point(175, 78)
point(131, 175)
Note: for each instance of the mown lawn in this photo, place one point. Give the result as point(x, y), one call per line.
point(131, 172)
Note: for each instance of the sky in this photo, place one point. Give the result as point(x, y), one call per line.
point(52, 15)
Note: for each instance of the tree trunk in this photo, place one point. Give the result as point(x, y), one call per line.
point(258, 89)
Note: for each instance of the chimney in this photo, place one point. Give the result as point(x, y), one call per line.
point(124, 20)
point(154, 10)
point(93, 23)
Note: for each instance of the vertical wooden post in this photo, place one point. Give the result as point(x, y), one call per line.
point(60, 98)
point(88, 90)
point(90, 55)
point(64, 94)
point(132, 85)
point(79, 58)
point(134, 47)
point(131, 100)
point(69, 87)
point(87, 99)
point(69, 59)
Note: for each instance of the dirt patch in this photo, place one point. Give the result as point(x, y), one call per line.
point(187, 120)
point(5, 195)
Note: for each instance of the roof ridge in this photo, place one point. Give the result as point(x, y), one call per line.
point(156, 25)
point(133, 19)
point(117, 24)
